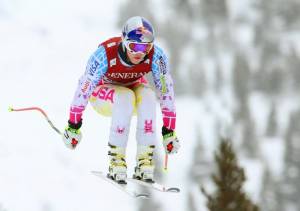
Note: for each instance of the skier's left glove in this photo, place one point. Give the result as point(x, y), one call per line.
point(170, 141)
point(72, 135)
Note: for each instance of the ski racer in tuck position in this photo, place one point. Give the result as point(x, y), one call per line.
point(114, 83)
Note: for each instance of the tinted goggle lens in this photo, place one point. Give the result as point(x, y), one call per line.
point(140, 47)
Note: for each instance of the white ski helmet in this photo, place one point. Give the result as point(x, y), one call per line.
point(138, 29)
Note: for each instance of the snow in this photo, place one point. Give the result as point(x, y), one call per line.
point(243, 8)
point(285, 108)
point(37, 171)
point(44, 49)
point(260, 109)
point(273, 151)
point(244, 35)
point(254, 172)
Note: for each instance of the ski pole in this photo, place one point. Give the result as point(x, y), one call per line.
point(166, 162)
point(10, 109)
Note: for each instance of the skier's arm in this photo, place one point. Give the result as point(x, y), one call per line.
point(95, 69)
point(164, 85)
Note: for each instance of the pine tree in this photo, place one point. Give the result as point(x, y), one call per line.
point(272, 129)
point(291, 187)
point(229, 181)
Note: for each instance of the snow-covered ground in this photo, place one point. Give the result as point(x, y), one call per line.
point(44, 49)
point(44, 46)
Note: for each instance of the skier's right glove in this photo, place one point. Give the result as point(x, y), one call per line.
point(72, 135)
point(170, 141)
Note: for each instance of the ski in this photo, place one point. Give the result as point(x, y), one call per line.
point(155, 186)
point(122, 187)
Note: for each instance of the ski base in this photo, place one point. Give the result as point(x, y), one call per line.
point(155, 186)
point(122, 187)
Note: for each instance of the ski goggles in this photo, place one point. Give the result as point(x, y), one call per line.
point(135, 47)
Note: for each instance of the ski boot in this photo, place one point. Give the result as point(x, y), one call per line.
point(145, 165)
point(117, 167)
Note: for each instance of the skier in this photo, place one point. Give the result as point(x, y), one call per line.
point(115, 85)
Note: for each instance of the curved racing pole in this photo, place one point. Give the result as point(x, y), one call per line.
point(11, 109)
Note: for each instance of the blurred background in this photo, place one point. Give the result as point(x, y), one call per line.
point(235, 66)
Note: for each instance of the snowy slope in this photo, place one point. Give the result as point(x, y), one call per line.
point(44, 48)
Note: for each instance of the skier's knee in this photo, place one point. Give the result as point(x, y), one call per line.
point(145, 94)
point(125, 98)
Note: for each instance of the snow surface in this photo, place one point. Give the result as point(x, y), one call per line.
point(44, 48)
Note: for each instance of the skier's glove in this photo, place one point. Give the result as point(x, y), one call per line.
point(170, 141)
point(72, 135)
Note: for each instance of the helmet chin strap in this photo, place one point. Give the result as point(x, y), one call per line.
point(123, 46)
